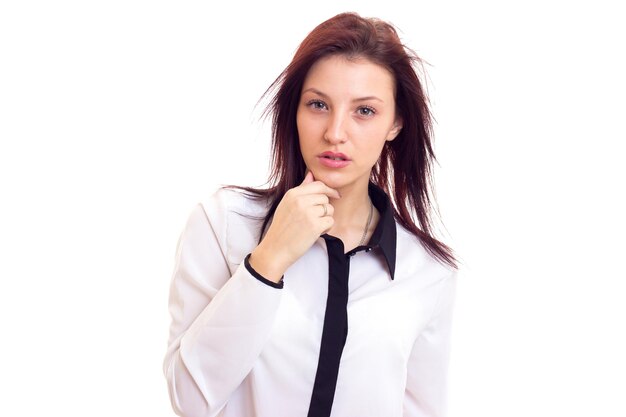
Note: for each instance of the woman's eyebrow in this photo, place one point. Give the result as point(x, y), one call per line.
point(319, 93)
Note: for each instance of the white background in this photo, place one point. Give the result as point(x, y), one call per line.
point(117, 117)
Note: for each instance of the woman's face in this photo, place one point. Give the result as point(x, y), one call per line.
point(346, 114)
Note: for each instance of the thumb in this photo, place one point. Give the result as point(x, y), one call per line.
point(308, 178)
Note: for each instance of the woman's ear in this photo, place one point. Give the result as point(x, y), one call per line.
point(395, 129)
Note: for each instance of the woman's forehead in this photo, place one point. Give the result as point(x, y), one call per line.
point(355, 77)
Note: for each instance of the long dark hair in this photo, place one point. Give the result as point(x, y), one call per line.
point(404, 169)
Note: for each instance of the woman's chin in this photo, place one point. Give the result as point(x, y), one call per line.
point(336, 180)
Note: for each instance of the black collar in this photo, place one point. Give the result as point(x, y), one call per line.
point(384, 236)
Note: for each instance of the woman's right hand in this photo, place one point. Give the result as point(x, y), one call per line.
point(301, 217)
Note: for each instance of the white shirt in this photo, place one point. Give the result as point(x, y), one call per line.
point(243, 346)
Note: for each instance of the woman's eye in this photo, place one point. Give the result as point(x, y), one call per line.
point(317, 105)
point(366, 111)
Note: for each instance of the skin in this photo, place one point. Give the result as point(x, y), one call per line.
point(346, 106)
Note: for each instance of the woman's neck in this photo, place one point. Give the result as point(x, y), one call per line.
point(351, 214)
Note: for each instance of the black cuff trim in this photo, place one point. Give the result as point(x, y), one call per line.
point(261, 277)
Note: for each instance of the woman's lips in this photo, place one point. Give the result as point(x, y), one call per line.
point(333, 160)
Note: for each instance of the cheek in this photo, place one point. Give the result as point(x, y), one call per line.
point(374, 149)
point(301, 124)
point(375, 154)
point(306, 130)
point(303, 138)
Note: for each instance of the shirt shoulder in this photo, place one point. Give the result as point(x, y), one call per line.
point(236, 218)
point(226, 199)
point(413, 259)
point(435, 281)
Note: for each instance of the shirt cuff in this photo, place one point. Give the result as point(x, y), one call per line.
point(260, 277)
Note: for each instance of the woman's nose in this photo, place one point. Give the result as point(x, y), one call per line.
point(336, 129)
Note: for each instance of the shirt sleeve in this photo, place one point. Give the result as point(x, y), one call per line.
point(427, 372)
point(220, 321)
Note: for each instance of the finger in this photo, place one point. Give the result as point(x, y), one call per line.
point(318, 187)
point(321, 210)
point(326, 223)
point(298, 189)
point(327, 210)
point(308, 178)
point(310, 200)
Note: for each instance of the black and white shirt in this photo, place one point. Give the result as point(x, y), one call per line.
point(357, 334)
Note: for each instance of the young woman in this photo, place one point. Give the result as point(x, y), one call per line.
point(325, 294)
